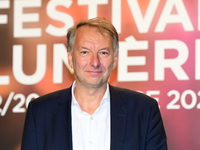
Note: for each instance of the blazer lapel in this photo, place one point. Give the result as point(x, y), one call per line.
point(118, 119)
point(62, 122)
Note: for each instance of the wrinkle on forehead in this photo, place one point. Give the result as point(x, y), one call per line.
point(102, 31)
point(93, 36)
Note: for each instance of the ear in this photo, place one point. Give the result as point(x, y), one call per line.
point(115, 60)
point(70, 59)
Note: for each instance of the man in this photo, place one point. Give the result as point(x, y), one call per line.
point(91, 114)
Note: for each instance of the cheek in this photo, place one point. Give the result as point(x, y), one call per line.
point(80, 63)
point(109, 65)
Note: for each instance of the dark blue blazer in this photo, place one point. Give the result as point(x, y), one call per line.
point(136, 123)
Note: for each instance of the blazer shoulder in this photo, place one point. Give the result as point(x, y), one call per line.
point(59, 96)
point(130, 95)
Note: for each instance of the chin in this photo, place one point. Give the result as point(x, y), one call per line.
point(95, 84)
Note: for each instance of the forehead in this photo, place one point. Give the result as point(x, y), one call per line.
point(89, 31)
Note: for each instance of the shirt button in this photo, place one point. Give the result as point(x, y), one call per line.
point(91, 142)
point(91, 118)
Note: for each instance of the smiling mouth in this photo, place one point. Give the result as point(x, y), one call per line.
point(94, 72)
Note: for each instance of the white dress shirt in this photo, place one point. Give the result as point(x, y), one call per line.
point(91, 132)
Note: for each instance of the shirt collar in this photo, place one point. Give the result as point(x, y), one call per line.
point(106, 97)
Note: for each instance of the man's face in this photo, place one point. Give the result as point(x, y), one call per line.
point(92, 57)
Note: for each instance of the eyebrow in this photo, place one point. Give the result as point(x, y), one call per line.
point(82, 47)
point(104, 48)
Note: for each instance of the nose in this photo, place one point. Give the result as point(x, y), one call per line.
point(95, 61)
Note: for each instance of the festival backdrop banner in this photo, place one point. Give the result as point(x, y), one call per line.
point(159, 55)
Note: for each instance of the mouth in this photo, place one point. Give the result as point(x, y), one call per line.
point(94, 72)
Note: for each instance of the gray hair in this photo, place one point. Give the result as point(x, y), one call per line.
point(101, 23)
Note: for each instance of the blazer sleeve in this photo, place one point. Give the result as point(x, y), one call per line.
point(29, 133)
point(156, 136)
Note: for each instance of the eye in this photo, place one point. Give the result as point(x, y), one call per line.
point(104, 53)
point(84, 52)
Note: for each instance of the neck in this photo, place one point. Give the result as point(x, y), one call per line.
point(89, 99)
